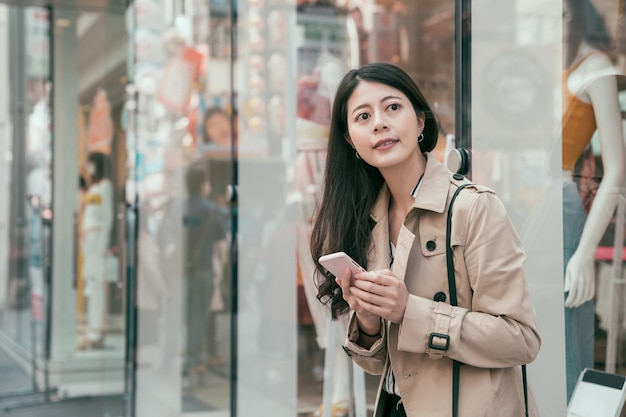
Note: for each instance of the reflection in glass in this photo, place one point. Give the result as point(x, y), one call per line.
point(182, 127)
point(205, 230)
point(322, 57)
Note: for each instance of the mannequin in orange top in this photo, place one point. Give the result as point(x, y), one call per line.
point(590, 102)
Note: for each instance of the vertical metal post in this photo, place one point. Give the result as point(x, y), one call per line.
point(18, 263)
point(130, 218)
point(48, 255)
point(234, 308)
point(46, 265)
point(463, 74)
point(128, 215)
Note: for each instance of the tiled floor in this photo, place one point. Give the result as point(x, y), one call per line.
point(13, 379)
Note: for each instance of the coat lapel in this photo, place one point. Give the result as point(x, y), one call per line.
point(432, 195)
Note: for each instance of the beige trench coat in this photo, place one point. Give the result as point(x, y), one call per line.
point(492, 330)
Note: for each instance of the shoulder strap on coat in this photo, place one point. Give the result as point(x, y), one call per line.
point(449, 259)
point(456, 365)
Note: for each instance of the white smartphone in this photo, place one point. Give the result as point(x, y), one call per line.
point(336, 263)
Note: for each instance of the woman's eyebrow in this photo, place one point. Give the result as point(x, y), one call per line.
point(382, 100)
point(359, 107)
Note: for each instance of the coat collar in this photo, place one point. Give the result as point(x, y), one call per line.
point(432, 193)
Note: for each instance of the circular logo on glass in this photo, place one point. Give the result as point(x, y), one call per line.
point(516, 89)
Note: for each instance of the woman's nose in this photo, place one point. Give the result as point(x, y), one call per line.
point(380, 123)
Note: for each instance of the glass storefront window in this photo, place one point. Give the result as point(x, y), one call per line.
point(594, 167)
point(332, 38)
point(541, 74)
point(25, 160)
point(182, 129)
point(163, 166)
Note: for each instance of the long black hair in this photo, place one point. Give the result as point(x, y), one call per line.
point(342, 221)
point(586, 25)
point(102, 166)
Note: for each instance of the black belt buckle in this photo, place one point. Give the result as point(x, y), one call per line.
point(439, 335)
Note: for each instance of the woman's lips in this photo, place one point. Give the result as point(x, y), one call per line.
point(385, 143)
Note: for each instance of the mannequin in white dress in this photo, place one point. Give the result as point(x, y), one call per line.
point(95, 237)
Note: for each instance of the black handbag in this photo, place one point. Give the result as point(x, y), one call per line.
point(456, 365)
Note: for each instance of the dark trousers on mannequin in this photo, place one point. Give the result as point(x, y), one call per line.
point(579, 321)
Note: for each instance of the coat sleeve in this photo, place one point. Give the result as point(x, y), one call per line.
point(499, 328)
point(372, 360)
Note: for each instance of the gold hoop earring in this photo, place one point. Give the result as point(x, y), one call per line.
point(420, 138)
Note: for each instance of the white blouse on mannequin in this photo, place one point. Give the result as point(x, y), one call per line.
point(594, 82)
point(96, 228)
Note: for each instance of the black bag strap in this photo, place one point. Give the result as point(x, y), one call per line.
point(456, 365)
point(525, 390)
point(449, 258)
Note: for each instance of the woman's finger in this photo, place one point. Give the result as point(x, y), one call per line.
point(344, 284)
point(369, 297)
point(383, 277)
point(344, 280)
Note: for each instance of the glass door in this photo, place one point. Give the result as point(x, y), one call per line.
point(182, 137)
point(88, 323)
point(62, 286)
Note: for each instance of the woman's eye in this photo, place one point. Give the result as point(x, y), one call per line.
point(363, 116)
point(394, 107)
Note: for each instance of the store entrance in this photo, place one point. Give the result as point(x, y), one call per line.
point(64, 248)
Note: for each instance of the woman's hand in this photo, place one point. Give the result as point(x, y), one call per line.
point(375, 294)
point(368, 322)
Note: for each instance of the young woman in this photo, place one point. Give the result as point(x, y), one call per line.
point(384, 203)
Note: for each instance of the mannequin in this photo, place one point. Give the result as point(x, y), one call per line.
point(590, 101)
point(95, 234)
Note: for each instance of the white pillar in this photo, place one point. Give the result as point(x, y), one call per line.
point(5, 155)
point(65, 183)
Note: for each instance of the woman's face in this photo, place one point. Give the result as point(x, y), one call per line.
point(218, 129)
point(383, 126)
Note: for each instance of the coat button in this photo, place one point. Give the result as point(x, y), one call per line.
point(440, 297)
point(431, 245)
point(457, 176)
